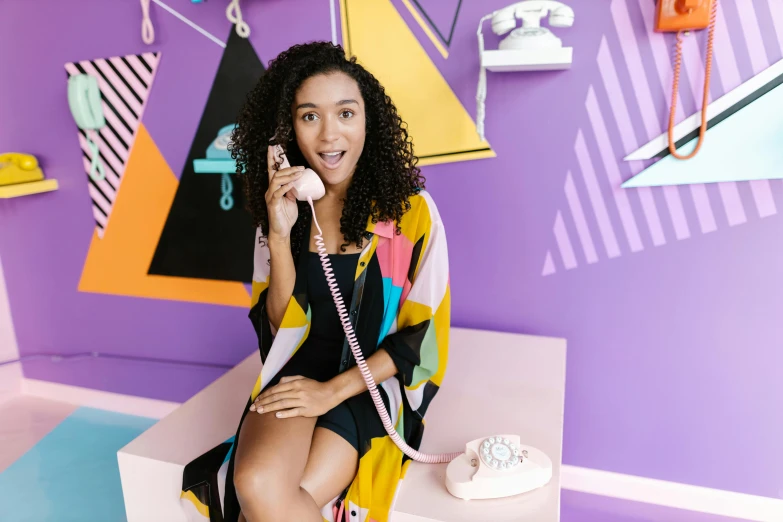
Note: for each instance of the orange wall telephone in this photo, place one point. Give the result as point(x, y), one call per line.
point(681, 15)
point(685, 15)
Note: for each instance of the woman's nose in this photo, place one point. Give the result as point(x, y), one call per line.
point(329, 129)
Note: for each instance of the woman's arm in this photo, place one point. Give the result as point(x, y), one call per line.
point(299, 396)
point(351, 382)
point(282, 275)
point(283, 212)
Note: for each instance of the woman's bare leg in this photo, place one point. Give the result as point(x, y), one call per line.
point(271, 457)
point(331, 466)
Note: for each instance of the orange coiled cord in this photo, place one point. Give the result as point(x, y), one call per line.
point(675, 87)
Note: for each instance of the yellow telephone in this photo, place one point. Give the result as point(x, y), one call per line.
point(16, 167)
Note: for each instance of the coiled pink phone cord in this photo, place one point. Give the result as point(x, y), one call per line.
point(357, 353)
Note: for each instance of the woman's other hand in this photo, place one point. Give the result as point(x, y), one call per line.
point(296, 396)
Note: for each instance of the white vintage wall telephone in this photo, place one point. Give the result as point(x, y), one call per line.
point(531, 35)
point(490, 467)
point(528, 48)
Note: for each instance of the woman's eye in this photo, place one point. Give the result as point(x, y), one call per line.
point(309, 117)
point(346, 114)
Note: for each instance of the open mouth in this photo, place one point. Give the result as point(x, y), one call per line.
point(332, 159)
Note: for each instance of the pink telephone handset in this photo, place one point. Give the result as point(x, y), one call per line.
point(308, 186)
point(490, 467)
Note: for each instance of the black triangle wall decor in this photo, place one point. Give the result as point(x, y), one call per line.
point(200, 239)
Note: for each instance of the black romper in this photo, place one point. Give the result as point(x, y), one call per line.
point(319, 356)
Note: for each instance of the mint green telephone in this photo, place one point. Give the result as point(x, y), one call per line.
point(84, 99)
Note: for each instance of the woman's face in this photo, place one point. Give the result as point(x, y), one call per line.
point(328, 115)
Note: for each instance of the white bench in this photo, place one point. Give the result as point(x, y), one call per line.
point(495, 383)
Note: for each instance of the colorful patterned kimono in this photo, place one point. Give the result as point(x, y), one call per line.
point(401, 302)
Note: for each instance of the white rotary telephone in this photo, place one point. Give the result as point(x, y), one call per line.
point(499, 466)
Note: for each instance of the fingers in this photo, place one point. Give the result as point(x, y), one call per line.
point(293, 412)
point(279, 388)
point(277, 397)
point(270, 161)
point(284, 177)
point(287, 388)
point(279, 193)
point(276, 402)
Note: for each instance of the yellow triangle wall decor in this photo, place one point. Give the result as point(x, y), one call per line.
point(441, 128)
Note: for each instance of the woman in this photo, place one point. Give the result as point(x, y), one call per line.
point(310, 438)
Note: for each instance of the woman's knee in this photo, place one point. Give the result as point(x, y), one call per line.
point(261, 490)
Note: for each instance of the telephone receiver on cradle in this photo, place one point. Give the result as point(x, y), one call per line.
point(528, 48)
point(17, 167)
point(679, 15)
point(84, 100)
point(531, 35)
point(490, 467)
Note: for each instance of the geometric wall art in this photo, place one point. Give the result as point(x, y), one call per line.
point(438, 123)
point(626, 109)
point(122, 251)
point(743, 142)
point(201, 239)
point(118, 263)
point(124, 83)
point(441, 19)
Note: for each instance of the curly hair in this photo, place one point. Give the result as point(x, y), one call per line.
point(386, 174)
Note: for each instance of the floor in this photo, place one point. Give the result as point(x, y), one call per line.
point(58, 464)
point(582, 507)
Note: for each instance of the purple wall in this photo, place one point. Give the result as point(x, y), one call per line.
point(674, 344)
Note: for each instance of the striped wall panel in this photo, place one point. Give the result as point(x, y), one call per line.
point(125, 84)
point(627, 105)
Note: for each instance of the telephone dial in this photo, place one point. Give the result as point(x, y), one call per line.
point(499, 466)
point(491, 467)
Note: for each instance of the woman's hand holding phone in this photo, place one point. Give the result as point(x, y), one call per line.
point(281, 205)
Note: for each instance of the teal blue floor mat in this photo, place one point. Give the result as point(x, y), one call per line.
point(72, 473)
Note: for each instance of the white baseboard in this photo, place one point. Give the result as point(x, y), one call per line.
point(672, 494)
point(586, 480)
point(117, 402)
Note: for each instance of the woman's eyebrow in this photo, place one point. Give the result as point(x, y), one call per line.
point(309, 105)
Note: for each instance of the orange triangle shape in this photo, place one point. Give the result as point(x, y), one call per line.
point(118, 263)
